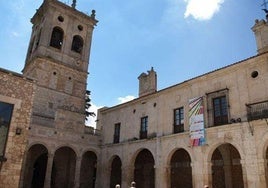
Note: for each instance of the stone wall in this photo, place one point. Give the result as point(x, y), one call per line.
point(19, 91)
point(241, 86)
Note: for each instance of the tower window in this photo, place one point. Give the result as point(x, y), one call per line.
point(60, 18)
point(56, 37)
point(80, 27)
point(254, 74)
point(77, 44)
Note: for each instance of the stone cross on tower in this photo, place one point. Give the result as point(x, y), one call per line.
point(74, 4)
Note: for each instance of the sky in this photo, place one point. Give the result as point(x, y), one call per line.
point(180, 39)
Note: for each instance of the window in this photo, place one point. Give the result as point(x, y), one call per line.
point(5, 118)
point(220, 110)
point(117, 132)
point(218, 107)
point(56, 37)
point(178, 120)
point(144, 127)
point(77, 44)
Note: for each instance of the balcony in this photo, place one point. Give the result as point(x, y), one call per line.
point(257, 110)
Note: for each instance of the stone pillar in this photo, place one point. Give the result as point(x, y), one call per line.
point(207, 174)
point(160, 180)
point(199, 172)
point(167, 176)
point(49, 170)
point(251, 173)
point(77, 172)
point(127, 175)
point(262, 163)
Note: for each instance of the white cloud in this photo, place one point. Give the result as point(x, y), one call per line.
point(14, 34)
point(92, 120)
point(94, 108)
point(202, 9)
point(125, 99)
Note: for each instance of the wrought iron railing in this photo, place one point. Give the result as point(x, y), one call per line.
point(257, 110)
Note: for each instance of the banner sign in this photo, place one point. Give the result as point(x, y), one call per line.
point(196, 122)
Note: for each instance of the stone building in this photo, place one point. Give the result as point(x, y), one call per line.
point(16, 100)
point(210, 130)
point(61, 151)
point(56, 147)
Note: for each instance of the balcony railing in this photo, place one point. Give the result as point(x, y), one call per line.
point(257, 110)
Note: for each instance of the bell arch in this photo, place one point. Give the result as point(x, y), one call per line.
point(77, 44)
point(56, 40)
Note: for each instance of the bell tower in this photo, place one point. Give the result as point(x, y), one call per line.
point(61, 34)
point(260, 30)
point(58, 59)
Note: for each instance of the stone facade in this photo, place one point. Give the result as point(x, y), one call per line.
point(18, 91)
point(146, 140)
point(60, 146)
point(236, 146)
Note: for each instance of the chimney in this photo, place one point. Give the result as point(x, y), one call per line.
point(260, 30)
point(147, 83)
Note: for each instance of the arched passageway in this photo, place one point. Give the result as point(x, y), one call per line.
point(116, 173)
point(226, 167)
point(144, 174)
point(181, 170)
point(63, 169)
point(88, 170)
point(35, 166)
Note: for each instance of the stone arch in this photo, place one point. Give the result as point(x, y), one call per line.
point(115, 170)
point(56, 39)
point(134, 156)
point(226, 169)
point(88, 169)
point(180, 169)
point(77, 44)
point(91, 149)
point(170, 154)
point(144, 173)
point(74, 149)
point(35, 166)
point(262, 147)
point(262, 153)
point(63, 169)
point(30, 145)
point(212, 148)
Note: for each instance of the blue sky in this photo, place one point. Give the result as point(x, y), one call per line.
point(181, 39)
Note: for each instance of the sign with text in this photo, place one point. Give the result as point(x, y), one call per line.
point(196, 122)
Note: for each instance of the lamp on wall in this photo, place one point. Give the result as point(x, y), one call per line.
point(18, 131)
